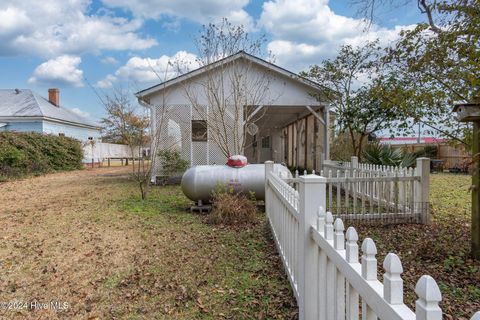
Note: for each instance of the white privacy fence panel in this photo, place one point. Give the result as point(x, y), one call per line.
point(99, 151)
point(332, 277)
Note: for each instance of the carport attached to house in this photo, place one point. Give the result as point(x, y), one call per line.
point(295, 135)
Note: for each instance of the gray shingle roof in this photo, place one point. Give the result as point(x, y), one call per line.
point(27, 103)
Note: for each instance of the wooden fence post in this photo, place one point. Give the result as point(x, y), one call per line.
point(422, 189)
point(312, 195)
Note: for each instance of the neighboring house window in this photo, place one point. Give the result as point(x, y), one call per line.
point(199, 130)
point(266, 142)
point(61, 134)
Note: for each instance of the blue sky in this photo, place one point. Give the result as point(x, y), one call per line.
point(87, 47)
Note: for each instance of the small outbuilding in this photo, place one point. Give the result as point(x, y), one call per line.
point(279, 114)
point(26, 111)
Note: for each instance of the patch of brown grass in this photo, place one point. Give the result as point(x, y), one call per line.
point(86, 238)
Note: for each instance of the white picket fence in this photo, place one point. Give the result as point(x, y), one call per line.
point(357, 191)
point(328, 279)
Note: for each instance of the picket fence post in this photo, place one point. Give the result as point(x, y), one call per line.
point(429, 295)
point(312, 195)
point(353, 163)
point(268, 169)
point(422, 189)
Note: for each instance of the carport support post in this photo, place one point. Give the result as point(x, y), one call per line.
point(312, 195)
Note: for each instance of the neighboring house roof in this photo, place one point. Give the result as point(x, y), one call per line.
point(412, 140)
point(26, 104)
point(238, 55)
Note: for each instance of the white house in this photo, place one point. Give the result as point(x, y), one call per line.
point(26, 111)
point(280, 117)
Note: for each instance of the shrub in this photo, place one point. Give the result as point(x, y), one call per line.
point(171, 162)
point(341, 148)
point(381, 154)
point(23, 153)
point(231, 208)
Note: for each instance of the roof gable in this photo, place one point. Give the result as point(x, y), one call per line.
point(239, 55)
point(26, 103)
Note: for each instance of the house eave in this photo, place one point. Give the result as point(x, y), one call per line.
point(291, 75)
point(39, 118)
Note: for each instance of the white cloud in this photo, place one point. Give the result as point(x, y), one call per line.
point(307, 31)
point(106, 82)
point(150, 70)
point(54, 27)
point(61, 71)
point(202, 11)
point(81, 112)
point(109, 60)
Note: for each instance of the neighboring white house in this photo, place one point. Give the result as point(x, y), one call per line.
point(26, 111)
point(287, 101)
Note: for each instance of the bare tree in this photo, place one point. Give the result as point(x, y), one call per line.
point(367, 8)
point(230, 96)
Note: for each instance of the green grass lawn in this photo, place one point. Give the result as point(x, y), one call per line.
point(205, 271)
point(440, 249)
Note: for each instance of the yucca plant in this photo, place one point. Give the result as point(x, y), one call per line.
point(381, 154)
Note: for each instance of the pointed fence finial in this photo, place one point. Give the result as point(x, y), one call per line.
point(351, 245)
point(329, 226)
point(392, 281)
point(305, 172)
point(339, 237)
point(369, 262)
point(296, 173)
point(429, 295)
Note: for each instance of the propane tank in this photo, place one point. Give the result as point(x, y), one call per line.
point(199, 182)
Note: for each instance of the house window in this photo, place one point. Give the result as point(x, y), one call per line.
point(199, 130)
point(266, 142)
point(61, 134)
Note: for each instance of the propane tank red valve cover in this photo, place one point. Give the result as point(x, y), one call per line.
point(237, 161)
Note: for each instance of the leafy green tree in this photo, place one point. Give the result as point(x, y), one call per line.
point(436, 64)
point(123, 123)
point(354, 86)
